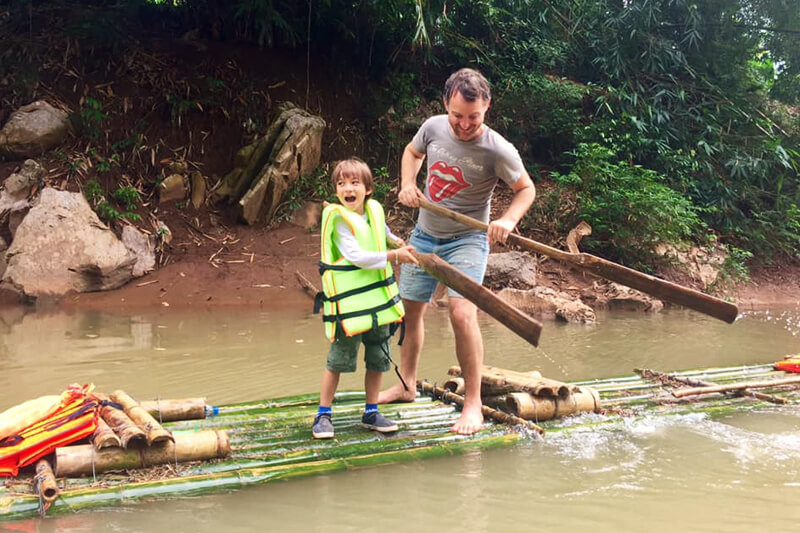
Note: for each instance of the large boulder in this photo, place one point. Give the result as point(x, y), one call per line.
point(546, 302)
point(510, 269)
point(619, 297)
point(32, 130)
point(61, 247)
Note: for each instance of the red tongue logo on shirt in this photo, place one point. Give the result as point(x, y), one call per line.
point(445, 181)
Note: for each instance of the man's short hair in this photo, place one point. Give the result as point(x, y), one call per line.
point(470, 83)
point(353, 167)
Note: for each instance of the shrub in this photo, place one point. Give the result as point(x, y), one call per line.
point(629, 208)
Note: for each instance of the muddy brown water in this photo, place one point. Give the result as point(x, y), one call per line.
point(684, 473)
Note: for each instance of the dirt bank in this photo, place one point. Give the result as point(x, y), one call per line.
point(255, 267)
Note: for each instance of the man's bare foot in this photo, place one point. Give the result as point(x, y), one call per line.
point(396, 394)
point(470, 421)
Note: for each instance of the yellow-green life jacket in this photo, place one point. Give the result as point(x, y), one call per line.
point(357, 299)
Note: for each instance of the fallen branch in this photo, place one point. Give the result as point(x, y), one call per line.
point(736, 387)
point(307, 286)
point(673, 380)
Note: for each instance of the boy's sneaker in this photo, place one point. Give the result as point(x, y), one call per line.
point(377, 422)
point(323, 427)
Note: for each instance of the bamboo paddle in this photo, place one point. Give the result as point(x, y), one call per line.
point(659, 288)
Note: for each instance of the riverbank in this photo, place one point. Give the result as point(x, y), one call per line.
point(242, 266)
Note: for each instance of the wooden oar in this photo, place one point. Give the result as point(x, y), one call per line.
point(659, 288)
point(520, 323)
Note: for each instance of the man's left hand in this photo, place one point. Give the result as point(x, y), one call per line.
point(499, 229)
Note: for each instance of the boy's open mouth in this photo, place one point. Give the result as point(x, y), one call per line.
point(349, 199)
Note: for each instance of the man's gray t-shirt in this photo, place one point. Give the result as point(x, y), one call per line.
point(461, 175)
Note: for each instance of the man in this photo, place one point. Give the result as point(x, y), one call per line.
point(465, 159)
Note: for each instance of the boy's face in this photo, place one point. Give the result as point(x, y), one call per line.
point(352, 192)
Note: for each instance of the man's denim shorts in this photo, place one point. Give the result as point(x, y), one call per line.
point(468, 253)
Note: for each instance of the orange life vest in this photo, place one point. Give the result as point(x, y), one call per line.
point(73, 420)
point(790, 364)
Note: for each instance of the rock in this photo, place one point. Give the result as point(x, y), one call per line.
point(198, 184)
point(619, 297)
point(543, 301)
point(510, 270)
point(264, 170)
point(61, 246)
point(172, 188)
point(14, 202)
point(703, 264)
point(142, 247)
point(19, 184)
point(307, 216)
point(178, 167)
point(32, 130)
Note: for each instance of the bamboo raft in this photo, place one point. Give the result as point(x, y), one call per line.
point(270, 440)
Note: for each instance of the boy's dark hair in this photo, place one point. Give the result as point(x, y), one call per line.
point(353, 167)
point(470, 83)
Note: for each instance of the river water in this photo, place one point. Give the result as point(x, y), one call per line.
point(682, 473)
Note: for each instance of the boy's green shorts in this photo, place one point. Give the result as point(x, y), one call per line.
point(344, 351)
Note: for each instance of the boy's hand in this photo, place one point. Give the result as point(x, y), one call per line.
point(404, 255)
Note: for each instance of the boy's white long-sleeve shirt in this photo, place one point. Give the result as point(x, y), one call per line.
point(348, 245)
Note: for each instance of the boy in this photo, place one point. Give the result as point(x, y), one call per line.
point(360, 297)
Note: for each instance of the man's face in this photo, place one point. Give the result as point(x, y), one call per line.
point(465, 117)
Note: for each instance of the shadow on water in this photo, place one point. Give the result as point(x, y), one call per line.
point(660, 474)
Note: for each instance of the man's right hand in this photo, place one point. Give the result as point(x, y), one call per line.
point(409, 196)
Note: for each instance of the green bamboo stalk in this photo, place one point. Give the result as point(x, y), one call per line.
point(21, 506)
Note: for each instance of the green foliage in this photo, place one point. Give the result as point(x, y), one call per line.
point(127, 199)
point(315, 187)
point(383, 184)
point(541, 115)
point(91, 118)
point(629, 208)
point(93, 192)
point(680, 87)
point(734, 269)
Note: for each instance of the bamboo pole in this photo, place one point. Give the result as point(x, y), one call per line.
point(736, 387)
point(45, 484)
point(174, 410)
point(498, 379)
point(456, 385)
point(83, 460)
point(648, 373)
point(104, 436)
point(493, 414)
point(529, 407)
point(154, 431)
point(20, 506)
point(121, 423)
point(659, 288)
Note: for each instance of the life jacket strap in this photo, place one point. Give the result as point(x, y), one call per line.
point(320, 296)
point(341, 268)
point(344, 316)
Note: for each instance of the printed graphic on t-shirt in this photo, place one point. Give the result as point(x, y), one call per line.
point(445, 181)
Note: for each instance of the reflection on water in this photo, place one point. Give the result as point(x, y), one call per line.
point(665, 473)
